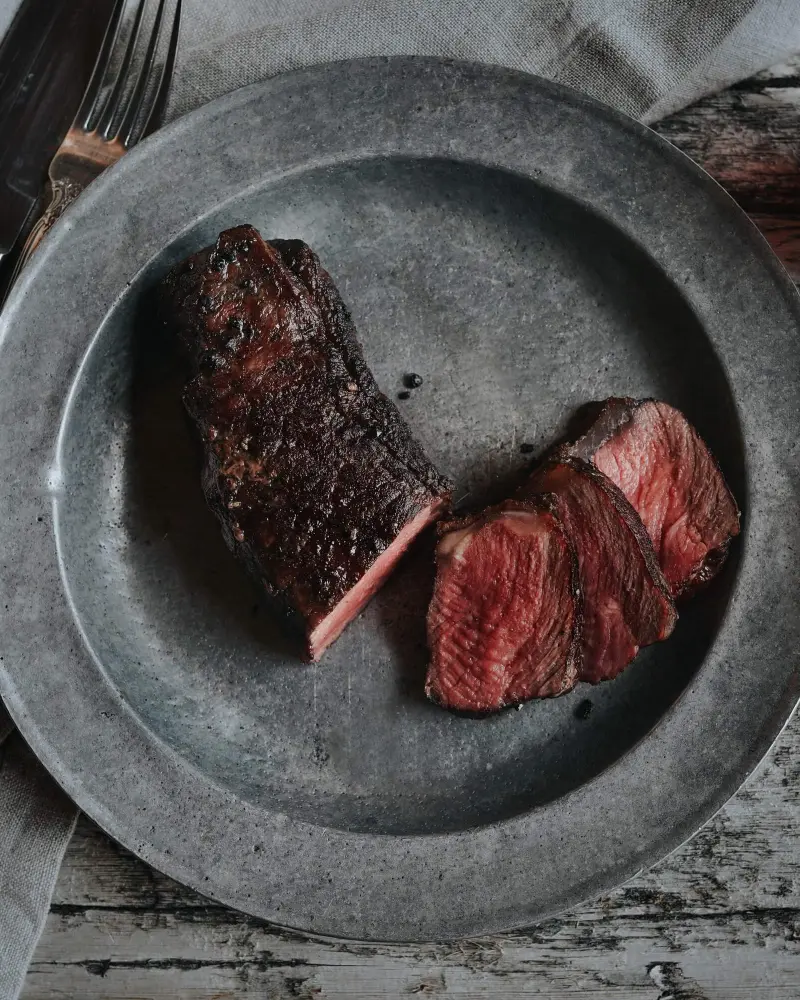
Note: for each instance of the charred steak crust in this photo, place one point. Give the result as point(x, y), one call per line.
point(378, 410)
point(633, 612)
point(595, 424)
point(310, 470)
point(486, 655)
point(681, 488)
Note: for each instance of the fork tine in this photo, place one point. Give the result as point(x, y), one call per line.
point(88, 109)
point(146, 91)
point(159, 98)
point(113, 104)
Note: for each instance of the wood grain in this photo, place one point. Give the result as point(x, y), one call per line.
point(717, 920)
point(748, 139)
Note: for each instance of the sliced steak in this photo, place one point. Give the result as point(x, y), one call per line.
point(626, 600)
point(312, 472)
point(504, 624)
point(664, 468)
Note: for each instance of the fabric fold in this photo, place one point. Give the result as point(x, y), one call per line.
point(645, 57)
point(36, 822)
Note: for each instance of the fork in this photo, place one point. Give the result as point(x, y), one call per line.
point(124, 101)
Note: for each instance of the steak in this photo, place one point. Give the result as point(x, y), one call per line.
point(311, 471)
point(504, 624)
point(664, 468)
point(626, 599)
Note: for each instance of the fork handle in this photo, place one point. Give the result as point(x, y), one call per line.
point(62, 193)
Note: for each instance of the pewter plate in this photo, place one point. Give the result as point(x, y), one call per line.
point(525, 250)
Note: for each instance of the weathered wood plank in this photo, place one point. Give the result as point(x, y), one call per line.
point(718, 920)
point(703, 957)
point(584, 952)
point(748, 139)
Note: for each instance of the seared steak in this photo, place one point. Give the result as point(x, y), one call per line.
point(504, 624)
point(626, 599)
point(312, 472)
point(662, 465)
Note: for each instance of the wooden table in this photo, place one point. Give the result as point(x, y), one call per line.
point(718, 920)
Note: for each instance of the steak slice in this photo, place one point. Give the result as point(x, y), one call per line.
point(504, 624)
point(626, 599)
point(312, 472)
point(662, 465)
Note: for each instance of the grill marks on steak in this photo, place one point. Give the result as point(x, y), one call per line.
point(378, 411)
point(312, 472)
point(626, 600)
point(664, 468)
point(504, 624)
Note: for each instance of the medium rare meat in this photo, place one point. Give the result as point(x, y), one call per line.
point(661, 464)
point(626, 600)
point(312, 472)
point(504, 624)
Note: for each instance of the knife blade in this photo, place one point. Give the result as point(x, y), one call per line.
point(46, 59)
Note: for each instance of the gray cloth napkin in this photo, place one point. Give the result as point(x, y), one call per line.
point(647, 57)
point(36, 823)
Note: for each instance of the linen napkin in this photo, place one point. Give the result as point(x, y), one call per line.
point(36, 823)
point(646, 57)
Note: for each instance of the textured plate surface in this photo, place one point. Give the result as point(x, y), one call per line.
point(525, 250)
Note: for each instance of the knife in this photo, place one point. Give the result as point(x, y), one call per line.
point(46, 59)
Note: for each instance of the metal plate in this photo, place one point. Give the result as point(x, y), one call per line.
point(525, 250)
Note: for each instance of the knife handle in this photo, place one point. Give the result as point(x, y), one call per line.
point(62, 192)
